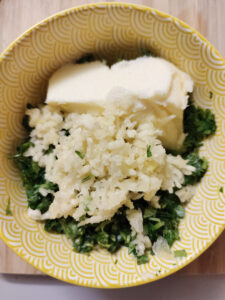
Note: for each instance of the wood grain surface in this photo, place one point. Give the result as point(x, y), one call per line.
point(207, 16)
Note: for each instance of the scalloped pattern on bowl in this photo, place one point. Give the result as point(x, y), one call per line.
point(110, 30)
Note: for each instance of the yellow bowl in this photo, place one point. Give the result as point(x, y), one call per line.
point(108, 29)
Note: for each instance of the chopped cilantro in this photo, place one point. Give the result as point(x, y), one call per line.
point(165, 221)
point(8, 210)
point(180, 211)
point(26, 119)
point(149, 153)
point(86, 203)
point(86, 209)
point(143, 259)
point(54, 225)
point(66, 132)
point(154, 219)
point(82, 218)
point(149, 212)
point(22, 149)
point(33, 179)
point(201, 166)
point(210, 95)
point(86, 58)
point(110, 235)
point(158, 225)
point(50, 149)
point(146, 52)
point(221, 189)
point(198, 124)
point(116, 233)
point(80, 154)
point(152, 252)
point(180, 253)
point(116, 261)
point(87, 178)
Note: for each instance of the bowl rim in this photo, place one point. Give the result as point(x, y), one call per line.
point(137, 7)
point(103, 4)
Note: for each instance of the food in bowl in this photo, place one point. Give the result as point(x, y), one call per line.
point(112, 155)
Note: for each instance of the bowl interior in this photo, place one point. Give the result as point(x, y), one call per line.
point(109, 31)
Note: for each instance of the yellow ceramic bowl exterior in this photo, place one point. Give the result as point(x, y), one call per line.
point(112, 29)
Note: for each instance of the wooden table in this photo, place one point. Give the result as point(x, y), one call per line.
point(207, 16)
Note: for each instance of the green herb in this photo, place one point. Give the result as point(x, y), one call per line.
point(152, 252)
point(201, 166)
point(85, 58)
point(33, 179)
point(180, 253)
point(87, 178)
point(116, 233)
point(82, 218)
point(66, 132)
point(8, 210)
point(198, 124)
point(221, 189)
point(86, 203)
point(103, 239)
point(143, 259)
point(158, 225)
point(180, 211)
point(54, 225)
point(22, 149)
point(116, 261)
point(120, 59)
point(149, 212)
point(26, 120)
point(210, 95)
point(50, 149)
point(167, 218)
point(110, 235)
point(161, 222)
point(146, 52)
point(86, 208)
point(80, 154)
point(149, 153)
point(154, 219)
